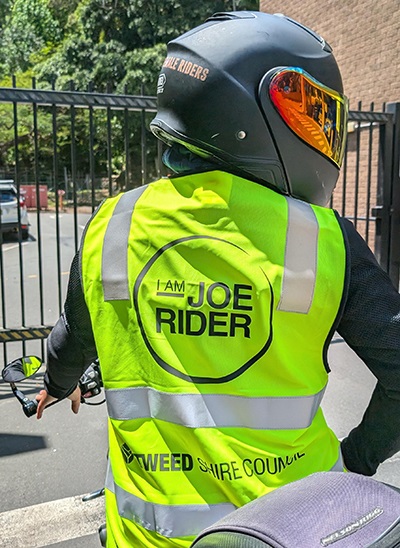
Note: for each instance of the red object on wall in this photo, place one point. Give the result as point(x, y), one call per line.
point(29, 193)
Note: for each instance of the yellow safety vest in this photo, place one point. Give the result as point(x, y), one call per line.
point(213, 300)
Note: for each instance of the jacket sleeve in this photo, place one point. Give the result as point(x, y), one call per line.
point(70, 346)
point(370, 325)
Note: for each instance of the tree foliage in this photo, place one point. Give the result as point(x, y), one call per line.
point(99, 41)
point(4, 11)
point(29, 27)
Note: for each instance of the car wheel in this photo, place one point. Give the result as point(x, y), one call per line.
point(25, 234)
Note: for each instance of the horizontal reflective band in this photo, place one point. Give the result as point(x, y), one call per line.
point(213, 410)
point(316, 113)
point(114, 268)
point(300, 258)
point(171, 521)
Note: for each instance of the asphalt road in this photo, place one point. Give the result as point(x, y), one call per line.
point(46, 466)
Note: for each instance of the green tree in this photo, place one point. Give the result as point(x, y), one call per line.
point(17, 129)
point(62, 9)
point(29, 27)
point(4, 11)
point(107, 41)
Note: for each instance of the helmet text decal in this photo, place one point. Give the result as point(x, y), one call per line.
point(187, 67)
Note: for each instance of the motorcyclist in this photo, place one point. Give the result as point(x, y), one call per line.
point(211, 297)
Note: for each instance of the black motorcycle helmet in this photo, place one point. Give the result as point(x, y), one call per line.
point(260, 95)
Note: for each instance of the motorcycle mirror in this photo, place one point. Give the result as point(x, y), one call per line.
point(21, 368)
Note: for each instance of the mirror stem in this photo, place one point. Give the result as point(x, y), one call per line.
point(18, 394)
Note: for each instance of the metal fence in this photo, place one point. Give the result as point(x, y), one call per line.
point(81, 147)
point(367, 192)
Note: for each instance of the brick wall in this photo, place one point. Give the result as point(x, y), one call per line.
point(365, 37)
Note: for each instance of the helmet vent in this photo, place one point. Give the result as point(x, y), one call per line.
point(324, 45)
point(226, 16)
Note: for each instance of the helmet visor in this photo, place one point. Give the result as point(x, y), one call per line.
point(316, 113)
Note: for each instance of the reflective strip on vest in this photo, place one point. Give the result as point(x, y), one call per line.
point(114, 268)
point(213, 410)
point(300, 258)
point(169, 520)
point(338, 466)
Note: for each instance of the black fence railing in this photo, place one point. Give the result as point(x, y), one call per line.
point(65, 152)
point(369, 179)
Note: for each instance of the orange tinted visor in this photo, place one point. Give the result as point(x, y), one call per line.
point(316, 113)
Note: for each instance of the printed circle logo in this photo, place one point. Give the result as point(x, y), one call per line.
point(162, 79)
point(204, 307)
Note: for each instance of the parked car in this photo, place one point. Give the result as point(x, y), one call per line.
point(10, 203)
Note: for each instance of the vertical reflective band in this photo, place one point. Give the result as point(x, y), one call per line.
point(300, 258)
point(338, 466)
point(114, 267)
point(169, 520)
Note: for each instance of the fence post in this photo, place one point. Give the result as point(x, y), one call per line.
point(394, 247)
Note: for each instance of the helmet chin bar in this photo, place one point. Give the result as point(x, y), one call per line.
point(267, 172)
point(310, 185)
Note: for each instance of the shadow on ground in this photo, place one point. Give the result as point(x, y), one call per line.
point(13, 444)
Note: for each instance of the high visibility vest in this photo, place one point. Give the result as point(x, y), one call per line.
point(213, 300)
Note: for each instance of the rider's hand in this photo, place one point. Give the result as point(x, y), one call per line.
point(44, 399)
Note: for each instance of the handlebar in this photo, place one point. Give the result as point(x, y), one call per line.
point(90, 383)
point(29, 407)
